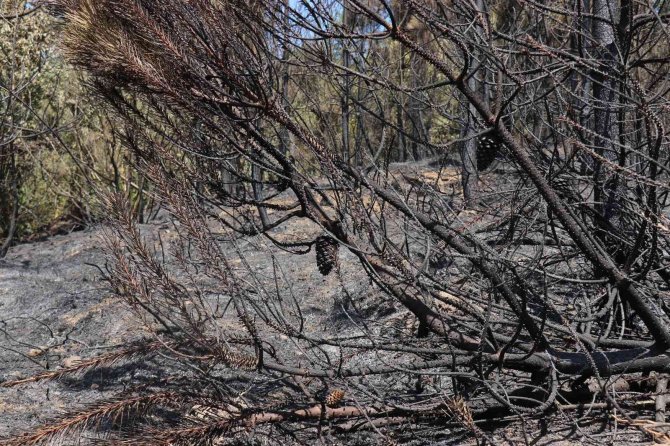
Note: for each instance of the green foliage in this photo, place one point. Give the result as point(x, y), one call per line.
point(56, 149)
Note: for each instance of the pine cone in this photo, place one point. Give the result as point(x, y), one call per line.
point(488, 148)
point(326, 254)
point(334, 398)
point(239, 360)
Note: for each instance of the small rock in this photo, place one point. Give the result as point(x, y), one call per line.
point(35, 352)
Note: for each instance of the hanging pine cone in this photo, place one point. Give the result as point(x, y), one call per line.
point(326, 254)
point(488, 147)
